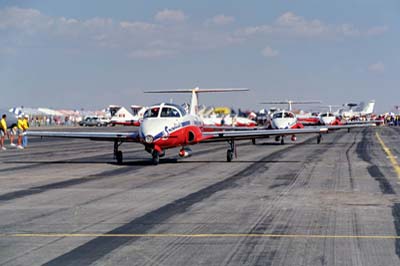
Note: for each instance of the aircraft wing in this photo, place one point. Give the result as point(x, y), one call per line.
point(105, 136)
point(364, 122)
point(221, 128)
point(260, 133)
point(349, 126)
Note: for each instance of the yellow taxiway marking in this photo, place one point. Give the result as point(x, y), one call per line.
point(88, 235)
point(389, 154)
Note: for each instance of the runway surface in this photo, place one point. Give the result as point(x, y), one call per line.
point(65, 202)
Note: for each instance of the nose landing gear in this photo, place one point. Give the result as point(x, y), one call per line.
point(281, 139)
point(231, 151)
point(117, 153)
point(155, 157)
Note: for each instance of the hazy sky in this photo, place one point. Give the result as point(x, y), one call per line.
point(92, 53)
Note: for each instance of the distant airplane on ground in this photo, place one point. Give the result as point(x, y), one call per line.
point(287, 119)
point(361, 110)
point(281, 119)
point(226, 118)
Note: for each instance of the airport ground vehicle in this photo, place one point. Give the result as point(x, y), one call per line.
point(90, 121)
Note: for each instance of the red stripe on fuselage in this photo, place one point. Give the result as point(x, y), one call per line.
point(309, 120)
point(181, 137)
point(297, 125)
point(130, 123)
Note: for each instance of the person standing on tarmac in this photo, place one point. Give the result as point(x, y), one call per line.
point(26, 126)
point(20, 132)
point(12, 132)
point(3, 131)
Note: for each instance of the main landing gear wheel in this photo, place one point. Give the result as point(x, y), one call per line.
point(229, 155)
point(319, 138)
point(119, 157)
point(253, 141)
point(231, 151)
point(282, 141)
point(156, 157)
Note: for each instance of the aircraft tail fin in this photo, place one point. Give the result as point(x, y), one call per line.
point(369, 108)
point(194, 105)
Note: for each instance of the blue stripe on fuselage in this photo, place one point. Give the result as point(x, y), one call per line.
point(186, 123)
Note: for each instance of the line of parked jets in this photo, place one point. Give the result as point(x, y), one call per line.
point(166, 125)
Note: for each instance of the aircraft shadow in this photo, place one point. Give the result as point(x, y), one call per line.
point(148, 162)
point(55, 162)
point(242, 161)
point(270, 143)
point(145, 162)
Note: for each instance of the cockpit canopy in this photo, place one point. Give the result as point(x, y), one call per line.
point(283, 115)
point(167, 110)
point(326, 114)
point(152, 112)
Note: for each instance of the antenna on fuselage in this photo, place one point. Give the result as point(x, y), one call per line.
point(194, 105)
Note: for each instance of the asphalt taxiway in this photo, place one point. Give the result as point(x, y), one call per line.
point(65, 202)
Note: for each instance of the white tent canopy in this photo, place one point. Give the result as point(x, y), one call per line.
point(26, 111)
point(48, 111)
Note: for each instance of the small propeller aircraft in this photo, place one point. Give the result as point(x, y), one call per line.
point(361, 110)
point(167, 125)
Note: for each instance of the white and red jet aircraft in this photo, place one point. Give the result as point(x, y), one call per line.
point(282, 119)
point(329, 118)
point(168, 126)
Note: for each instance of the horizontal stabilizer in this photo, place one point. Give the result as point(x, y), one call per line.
point(291, 102)
point(197, 90)
point(195, 102)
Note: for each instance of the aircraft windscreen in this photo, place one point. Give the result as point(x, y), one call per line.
point(278, 115)
point(170, 112)
point(152, 112)
point(326, 114)
point(289, 115)
point(180, 108)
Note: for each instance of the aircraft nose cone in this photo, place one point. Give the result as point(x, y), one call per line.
point(280, 124)
point(151, 130)
point(146, 133)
